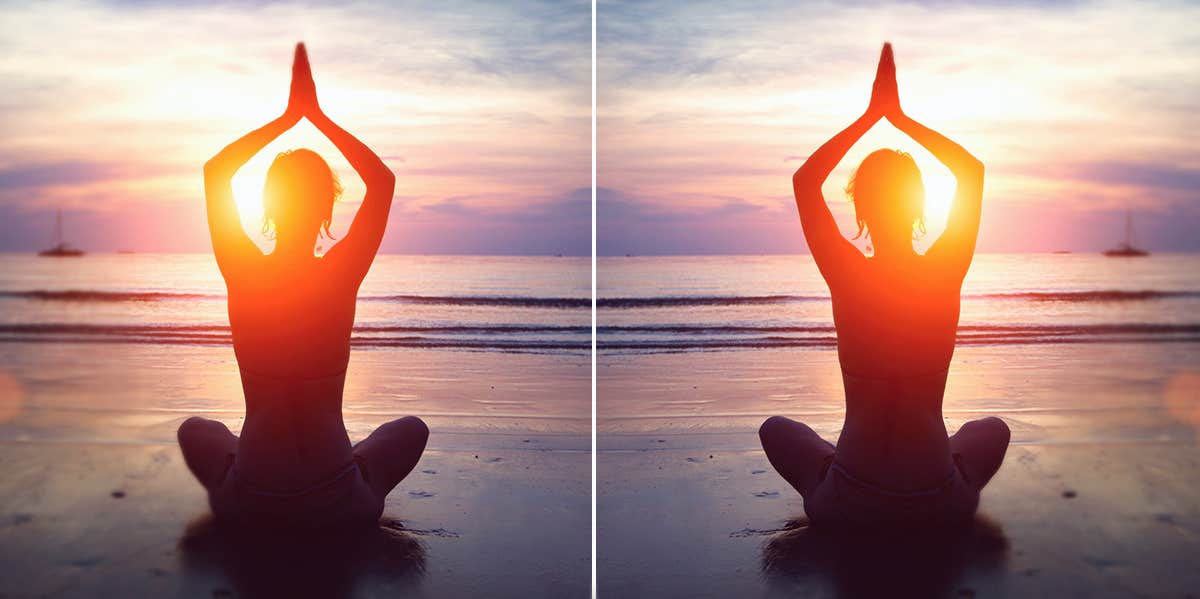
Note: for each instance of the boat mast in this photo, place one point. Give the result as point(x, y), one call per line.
point(1129, 228)
point(58, 228)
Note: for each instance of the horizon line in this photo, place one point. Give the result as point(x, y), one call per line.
point(599, 255)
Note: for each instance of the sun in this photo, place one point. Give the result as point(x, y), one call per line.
point(939, 195)
point(247, 194)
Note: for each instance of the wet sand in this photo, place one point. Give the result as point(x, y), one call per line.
point(95, 499)
point(1099, 495)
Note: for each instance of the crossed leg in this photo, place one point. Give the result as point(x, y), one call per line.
point(982, 444)
point(391, 452)
point(207, 446)
point(797, 452)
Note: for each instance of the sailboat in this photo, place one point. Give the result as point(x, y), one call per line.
point(1126, 249)
point(61, 248)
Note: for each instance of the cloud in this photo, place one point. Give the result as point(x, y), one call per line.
point(694, 224)
point(57, 173)
point(74, 172)
point(559, 224)
point(1135, 174)
point(110, 107)
point(1073, 103)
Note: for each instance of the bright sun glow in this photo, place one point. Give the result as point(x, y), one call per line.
point(247, 192)
point(939, 194)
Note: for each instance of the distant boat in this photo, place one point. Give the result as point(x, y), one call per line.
point(1126, 249)
point(61, 248)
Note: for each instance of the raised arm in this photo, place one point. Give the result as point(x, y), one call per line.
point(956, 246)
point(357, 249)
point(834, 255)
point(355, 252)
point(231, 246)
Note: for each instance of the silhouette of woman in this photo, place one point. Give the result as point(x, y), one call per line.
point(291, 314)
point(896, 314)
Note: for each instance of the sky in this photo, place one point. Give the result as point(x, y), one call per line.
point(110, 110)
point(1080, 111)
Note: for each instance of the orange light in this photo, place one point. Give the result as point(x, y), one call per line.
point(247, 193)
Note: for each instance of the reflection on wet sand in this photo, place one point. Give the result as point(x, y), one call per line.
point(388, 559)
point(885, 563)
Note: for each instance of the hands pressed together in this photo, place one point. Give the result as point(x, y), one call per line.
point(302, 100)
point(885, 97)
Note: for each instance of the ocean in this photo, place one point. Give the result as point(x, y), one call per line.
point(124, 347)
point(492, 304)
point(121, 348)
point(646, 304)
point(744, 303)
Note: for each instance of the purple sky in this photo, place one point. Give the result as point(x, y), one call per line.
point(482, 109)
point(1080, 111)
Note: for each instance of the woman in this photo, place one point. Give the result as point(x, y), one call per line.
point(896, 313)
point(291, 313)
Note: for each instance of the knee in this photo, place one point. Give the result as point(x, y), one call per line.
point(995, 429)
point(772, 428)
point(417, 428)
point(192, 429)
point(1001, 427)
point(410, 429)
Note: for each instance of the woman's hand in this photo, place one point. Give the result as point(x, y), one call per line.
point(885, 97)
point(302, 101)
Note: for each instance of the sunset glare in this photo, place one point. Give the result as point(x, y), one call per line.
point(1076, 110)
point(112, 108)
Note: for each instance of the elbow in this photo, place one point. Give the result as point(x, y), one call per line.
point(386, 182)
point(381, 188)
point(976, 167)
point(799, 178)
point(803, 183)
point(970, 173)
point(212, 170)
point(383, 177)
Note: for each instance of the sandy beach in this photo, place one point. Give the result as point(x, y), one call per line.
point(1099, 494)
point(96, 499)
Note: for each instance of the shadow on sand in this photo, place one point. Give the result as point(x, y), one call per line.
point(387, 560)
point(890, 563)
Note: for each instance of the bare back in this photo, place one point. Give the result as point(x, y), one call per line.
point(291, 320)
point(897, 320)
point(896, 326)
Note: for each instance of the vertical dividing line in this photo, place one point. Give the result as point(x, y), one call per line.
point(594, 398)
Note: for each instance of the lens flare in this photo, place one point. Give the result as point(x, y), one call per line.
point(1181, 397)
point(247, 193)
point(12, 397)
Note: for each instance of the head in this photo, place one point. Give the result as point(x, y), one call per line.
point(298, 196)
point(889, 198)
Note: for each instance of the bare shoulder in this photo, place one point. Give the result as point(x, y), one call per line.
point(937, 278)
